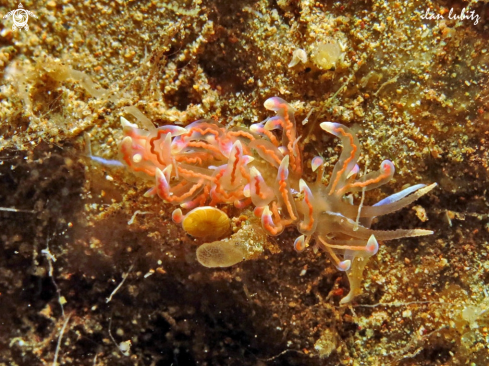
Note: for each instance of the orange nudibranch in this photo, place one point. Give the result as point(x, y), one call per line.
point(205, 164)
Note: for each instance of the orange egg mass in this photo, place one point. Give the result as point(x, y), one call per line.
point(206, 222)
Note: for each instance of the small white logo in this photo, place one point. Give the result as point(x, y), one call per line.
point(20, 17)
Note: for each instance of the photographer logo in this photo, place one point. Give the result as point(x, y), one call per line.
point(20, 17)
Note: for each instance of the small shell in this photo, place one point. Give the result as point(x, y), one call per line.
point(299, 55)
point(326, 55)
point(206, 222)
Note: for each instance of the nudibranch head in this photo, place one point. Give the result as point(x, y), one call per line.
point(206, 222)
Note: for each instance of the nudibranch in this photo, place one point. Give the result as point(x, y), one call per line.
point(206, 164)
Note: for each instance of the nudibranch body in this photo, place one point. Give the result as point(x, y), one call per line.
point(206, 164)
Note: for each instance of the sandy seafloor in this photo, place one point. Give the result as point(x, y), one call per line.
point(415, 91)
